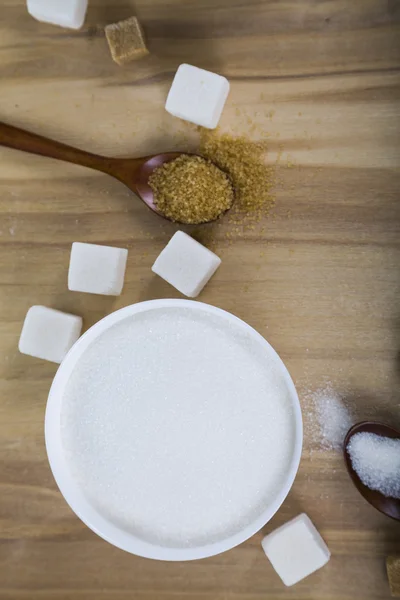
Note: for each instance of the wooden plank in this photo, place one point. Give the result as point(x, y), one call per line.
point(320, 81)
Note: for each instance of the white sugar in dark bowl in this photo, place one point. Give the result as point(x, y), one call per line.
point(173, 430)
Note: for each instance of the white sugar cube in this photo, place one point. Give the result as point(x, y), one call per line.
point(66, 13)
point(48, 333)
point(197, 96)
point(186, 264)
point(97, 269)
point(296, 549)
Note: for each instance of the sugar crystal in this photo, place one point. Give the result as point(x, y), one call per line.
point(376, 460)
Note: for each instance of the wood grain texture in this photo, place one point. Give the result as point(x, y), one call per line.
point(322, 283)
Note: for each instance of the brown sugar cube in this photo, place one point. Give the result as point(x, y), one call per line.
point(393, 571)
point(126, 41)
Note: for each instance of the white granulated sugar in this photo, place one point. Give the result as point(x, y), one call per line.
point(376, 460)
point(178, 426)
point(329, 419)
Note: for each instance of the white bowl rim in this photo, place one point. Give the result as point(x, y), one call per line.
point(75, 497)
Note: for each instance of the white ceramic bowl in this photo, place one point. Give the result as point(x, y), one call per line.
point(75, 497)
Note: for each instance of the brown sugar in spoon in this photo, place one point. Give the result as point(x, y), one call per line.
point(386, 505)
point(133, 172)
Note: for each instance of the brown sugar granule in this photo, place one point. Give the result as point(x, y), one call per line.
point(191, 190)
point(244, 161)
point(393, 571)
point(126, 40)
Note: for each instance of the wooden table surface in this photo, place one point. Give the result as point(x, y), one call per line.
point(321, 79)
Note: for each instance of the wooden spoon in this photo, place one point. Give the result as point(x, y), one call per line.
point(386, 505)
point(133, 172)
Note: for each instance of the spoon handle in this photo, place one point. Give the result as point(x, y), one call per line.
point(19, 139)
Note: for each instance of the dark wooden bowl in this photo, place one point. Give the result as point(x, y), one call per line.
point(385, 505)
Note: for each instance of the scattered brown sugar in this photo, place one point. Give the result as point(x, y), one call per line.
point(126, 41)
point(252, 178)
point(191, 190)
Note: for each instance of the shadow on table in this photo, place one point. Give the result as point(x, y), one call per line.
point(157, 288)
point(374, 408)
point(107, 13)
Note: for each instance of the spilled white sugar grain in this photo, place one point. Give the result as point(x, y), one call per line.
point(376, 460)
point(334, 420)
point(177, 428)
point(328, 419)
